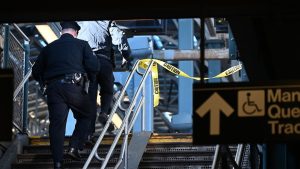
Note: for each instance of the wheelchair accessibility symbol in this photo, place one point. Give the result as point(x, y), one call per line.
point(251, 103)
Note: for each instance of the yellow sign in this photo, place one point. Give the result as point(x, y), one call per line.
point(215, 105)
point(144, 63)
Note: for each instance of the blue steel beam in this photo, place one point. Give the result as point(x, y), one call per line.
point(183, 120)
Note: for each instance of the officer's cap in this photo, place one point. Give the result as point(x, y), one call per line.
point(74, 25)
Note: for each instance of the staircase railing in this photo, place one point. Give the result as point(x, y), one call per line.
point(16, 57)
point(247, 156)
point(126, 126)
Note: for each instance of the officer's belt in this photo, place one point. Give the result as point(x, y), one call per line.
point(101, 54)
point(66, 78)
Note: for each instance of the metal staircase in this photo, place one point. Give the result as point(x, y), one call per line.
point(163, 151)
point(169, 151)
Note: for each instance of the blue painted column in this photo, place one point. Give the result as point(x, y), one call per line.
point(214, 68)
point(183, 120)
point(147, 123)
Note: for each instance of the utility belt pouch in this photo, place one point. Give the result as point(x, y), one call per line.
point(75, 78)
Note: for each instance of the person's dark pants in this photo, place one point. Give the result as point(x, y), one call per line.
point(62, 97)
point(104, 78)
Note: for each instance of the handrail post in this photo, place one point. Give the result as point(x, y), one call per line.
point(216, 157)
point(145, 120)
point(144, 109)
point(6, 46)
point(25, 89)
point(126, 143)
point(239, 153)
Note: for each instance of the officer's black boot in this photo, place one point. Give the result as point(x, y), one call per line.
point(92, 139)
point(74, 154)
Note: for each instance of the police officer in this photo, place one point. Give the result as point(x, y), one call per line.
point(62, 66)
point(107, 40)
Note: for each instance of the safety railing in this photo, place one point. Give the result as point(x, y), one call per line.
point(16, 57)
point(131, 115)
point(246, 156)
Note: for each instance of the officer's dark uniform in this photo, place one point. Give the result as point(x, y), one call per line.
point(61, 66)
point(106, 40)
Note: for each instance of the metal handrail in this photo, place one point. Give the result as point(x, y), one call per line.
point(236, 163)
point(17, 127)
point(21, 85)
point(126, 117)
point(26, 77)
point(123, 148)
point(239, 153)
point(16, 40)
point(8, 51)
point(216, 157)
point(125, 120)
point(20, 32)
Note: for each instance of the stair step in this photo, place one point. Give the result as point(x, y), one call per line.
point(42, 157)
point(153, 166)
point(31, 149)
point(179, 149)
point(67, 165)
point(176, 163)
point(107, 140)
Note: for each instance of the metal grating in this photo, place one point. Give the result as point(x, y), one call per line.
point(181, 149)
point(16, 62)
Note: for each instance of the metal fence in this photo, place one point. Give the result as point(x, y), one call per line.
point(15, 60)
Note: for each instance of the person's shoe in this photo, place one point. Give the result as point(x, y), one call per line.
point(58, 165)
point(91, 140)
point(74, 154)
point(103, 117)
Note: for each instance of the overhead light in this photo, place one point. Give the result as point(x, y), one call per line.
point(46, 32)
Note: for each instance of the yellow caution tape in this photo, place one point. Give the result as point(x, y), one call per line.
point(144, 63)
